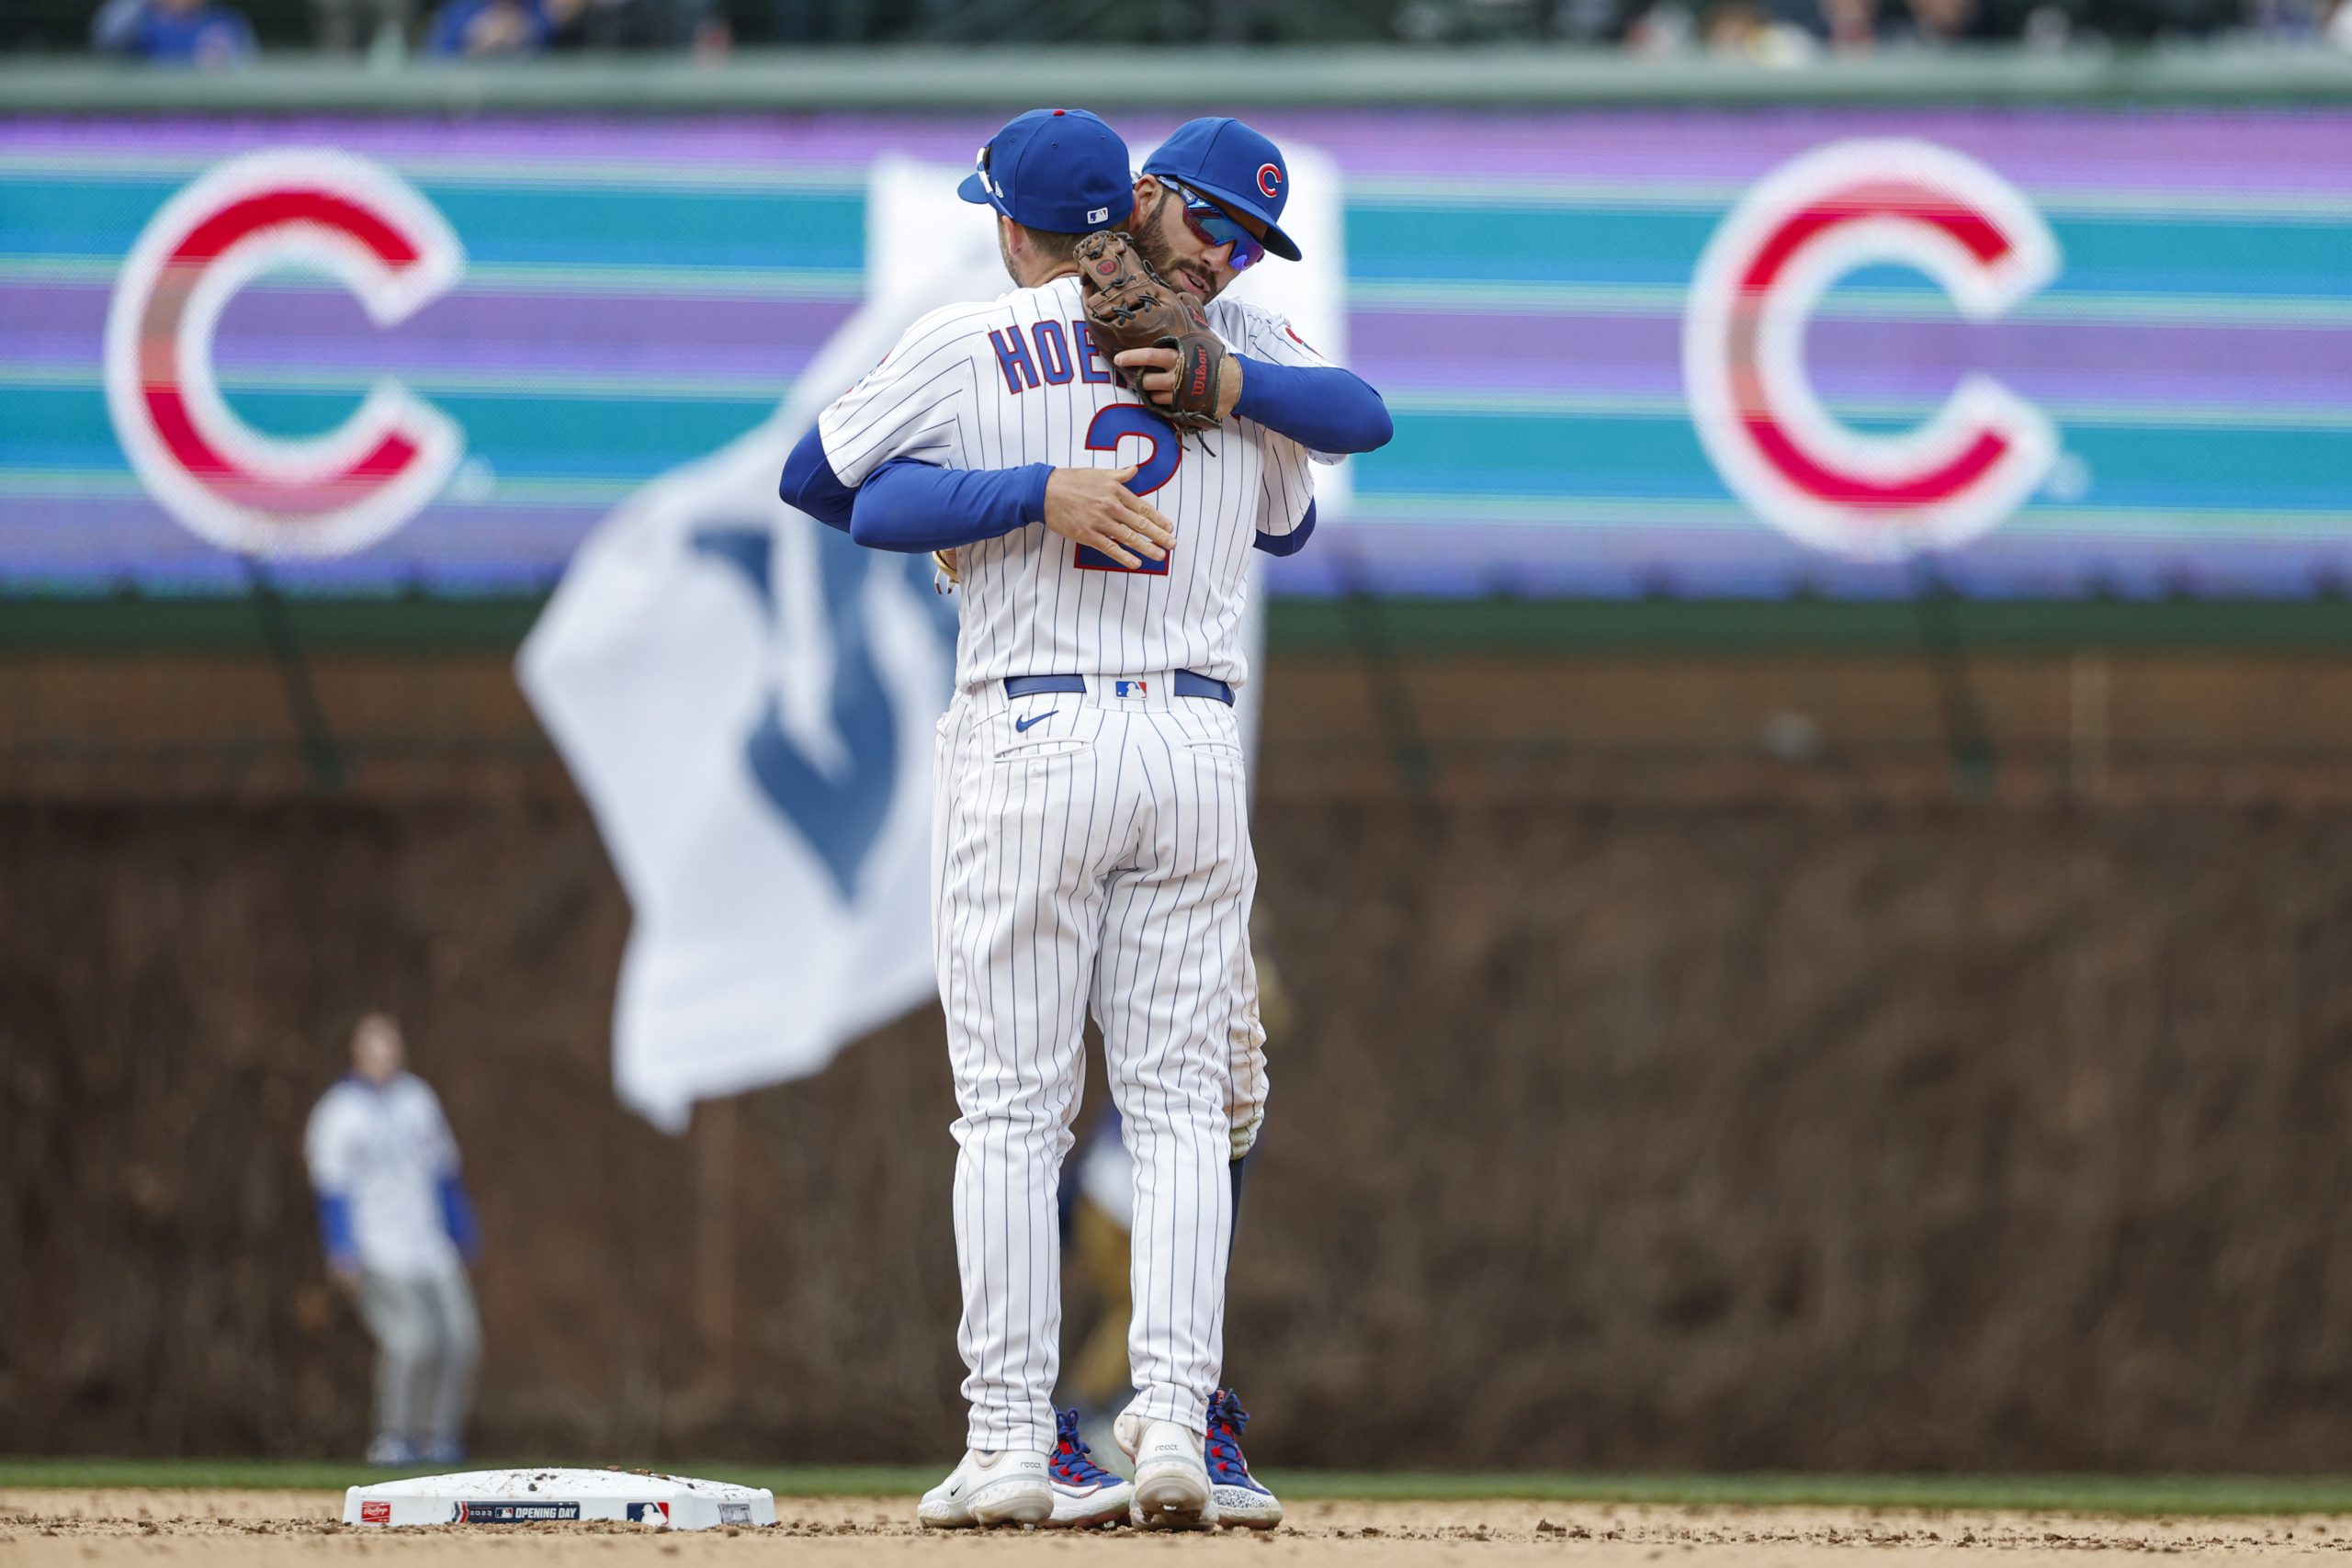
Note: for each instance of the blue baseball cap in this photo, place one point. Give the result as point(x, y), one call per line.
point(1226, 159)
point(1060, 170)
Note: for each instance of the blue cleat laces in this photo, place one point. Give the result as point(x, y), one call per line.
point(1071, 1462)
point(1227, 1418)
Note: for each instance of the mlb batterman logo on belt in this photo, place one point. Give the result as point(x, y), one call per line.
point(1846, 206)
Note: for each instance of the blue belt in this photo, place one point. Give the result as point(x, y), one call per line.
point(1187, 685)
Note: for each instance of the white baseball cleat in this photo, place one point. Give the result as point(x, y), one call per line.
point(1172, 1479)
point(1012, 1487)
point(1085, 1494)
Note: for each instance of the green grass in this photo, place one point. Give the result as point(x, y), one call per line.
point(295, 1474)
point(2159, 1494)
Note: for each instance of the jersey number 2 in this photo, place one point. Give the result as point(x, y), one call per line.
point(1111, 426)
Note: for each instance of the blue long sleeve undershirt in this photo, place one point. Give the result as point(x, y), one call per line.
point(457, 1218)
point(334, 1230)
point(810, 484)
point(908, 504)
point(1323, 407)
point(913, 507)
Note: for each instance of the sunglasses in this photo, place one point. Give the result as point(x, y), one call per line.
point(1213, 226)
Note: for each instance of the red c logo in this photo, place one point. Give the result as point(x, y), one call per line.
point(1796, 233)
point(1269, 181)
point(317, 212)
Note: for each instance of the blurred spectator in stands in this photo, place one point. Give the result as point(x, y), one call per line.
point(1588, 21)
point(386, 23)
point(183, 32)
point(481, 29)
point(925, 21)
point(698, 24)
point(2140, 21)
point(1851, 26)
point(1937, 23)
point(823, 21)
point(1660, 29)
point(399, 1232)
point(1745, 30)
point(986, 21)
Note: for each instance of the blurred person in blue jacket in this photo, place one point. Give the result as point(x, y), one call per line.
point(399, 1232)
point(181, 32)
point(487, 28)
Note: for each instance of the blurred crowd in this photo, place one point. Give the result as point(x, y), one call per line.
point(223, 33)
point(219, 32)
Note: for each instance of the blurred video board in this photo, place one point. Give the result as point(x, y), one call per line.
point(2035, 352)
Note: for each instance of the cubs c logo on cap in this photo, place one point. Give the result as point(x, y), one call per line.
point(1269, 181)
point(319, 211)
point(1850, 205)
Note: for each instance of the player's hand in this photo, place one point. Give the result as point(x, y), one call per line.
point(1158, 380)
point(1242, 1136)
point(1093, 507)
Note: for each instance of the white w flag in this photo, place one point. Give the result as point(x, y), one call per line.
point(747, 699)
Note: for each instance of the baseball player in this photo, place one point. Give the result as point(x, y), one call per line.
point(399, 1232)
point(1195, 209)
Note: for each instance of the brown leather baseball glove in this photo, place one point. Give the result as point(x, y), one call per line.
point(1130, 305)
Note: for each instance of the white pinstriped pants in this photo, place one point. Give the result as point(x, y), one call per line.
point(1100, 856)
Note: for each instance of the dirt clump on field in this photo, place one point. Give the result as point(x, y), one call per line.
point(115, 1529)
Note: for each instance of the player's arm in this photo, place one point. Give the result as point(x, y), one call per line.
point(1328, 409)
point(810, 484)
point(1283, 384)
point(449, 1186)
point(918, 404)
point(915, 506)
point(911, 505)
point(327, 1146)
point(1323, 407)
point(883, 461)
point(1293, 390)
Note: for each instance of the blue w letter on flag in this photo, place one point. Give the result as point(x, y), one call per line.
point(840, 817)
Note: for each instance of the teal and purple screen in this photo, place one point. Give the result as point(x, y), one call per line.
point(1522, 287)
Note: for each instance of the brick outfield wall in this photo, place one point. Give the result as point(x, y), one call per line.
point(2176, 726)
point(1616, 1135)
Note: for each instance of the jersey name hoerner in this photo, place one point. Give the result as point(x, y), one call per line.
point(1019, 380)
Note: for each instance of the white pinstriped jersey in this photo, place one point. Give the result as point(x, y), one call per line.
point(1017, 380)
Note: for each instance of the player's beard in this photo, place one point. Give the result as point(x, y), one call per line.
point(1160, 252)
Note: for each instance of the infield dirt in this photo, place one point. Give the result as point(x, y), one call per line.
point(115, 1528)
